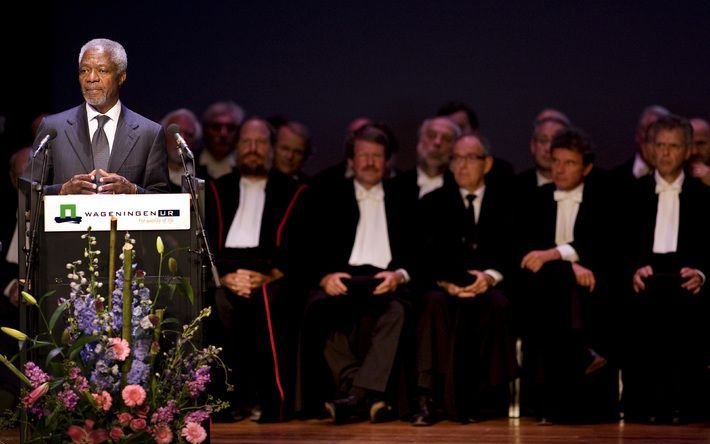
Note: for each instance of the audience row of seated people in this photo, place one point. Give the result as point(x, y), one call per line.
point(361, 295)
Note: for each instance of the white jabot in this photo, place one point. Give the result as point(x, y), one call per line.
point(665, 236)
point(372, 244)
point(640, 167)
point(111, 124)
point(246, 225)
point(217, 168)
point(567, 209)
point(428, 184)
point(542, 180)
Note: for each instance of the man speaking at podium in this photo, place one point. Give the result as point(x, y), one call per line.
point(101, 146)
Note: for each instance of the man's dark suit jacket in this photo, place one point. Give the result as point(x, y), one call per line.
point(591, 227)
point(335, 218)
point(443, 226)
point(138, 152)
point(693, 239)
point(222, 203)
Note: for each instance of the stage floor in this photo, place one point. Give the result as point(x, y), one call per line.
point(514, 431)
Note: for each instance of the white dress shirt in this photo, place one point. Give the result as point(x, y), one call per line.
point(428, 184)
point(217, 168)
point(665, 236)
point(372, 244)
point(567, 209)
point(109, 127)
point(542, 180)
point(246, 225)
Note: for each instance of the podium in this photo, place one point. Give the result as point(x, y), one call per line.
point(63, 219)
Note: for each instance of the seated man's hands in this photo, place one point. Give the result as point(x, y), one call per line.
point(392, 280)
point(692, 280)
point(242, 282)
point(535, 259)
point(332, 284)
point(584, 276)
point(481, 285)
point(641, 274)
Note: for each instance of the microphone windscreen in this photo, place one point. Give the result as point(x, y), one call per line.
point(173, 129)
point(52, 133)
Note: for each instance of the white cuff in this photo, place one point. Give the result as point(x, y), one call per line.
point(568, 253)
point(495, 274)
point(404, 274)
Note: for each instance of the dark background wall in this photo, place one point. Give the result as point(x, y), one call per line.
point(324, 63)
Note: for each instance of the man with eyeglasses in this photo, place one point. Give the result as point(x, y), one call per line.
point(464, 350)
point(668, 257)
point(220, 123)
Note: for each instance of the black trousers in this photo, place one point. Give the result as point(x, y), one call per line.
point(262, 359)
point(465, 346)
point(355, 338)
point(664, 349)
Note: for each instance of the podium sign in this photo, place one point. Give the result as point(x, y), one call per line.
point(133, 212)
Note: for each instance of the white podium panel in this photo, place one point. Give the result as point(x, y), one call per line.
point(134, 212)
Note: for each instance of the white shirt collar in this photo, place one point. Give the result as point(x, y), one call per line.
point(113, 113)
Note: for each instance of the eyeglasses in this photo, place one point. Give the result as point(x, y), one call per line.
point(468, 158)
point(217, 126)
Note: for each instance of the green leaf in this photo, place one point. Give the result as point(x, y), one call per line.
point(52, 354)
point(187, 289)
point(55, 316)
point(46, 295)
point(168, 321)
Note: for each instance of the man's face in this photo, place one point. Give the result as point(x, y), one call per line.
point(290, 151)
point(254, 149)
point(368, 163)
point(540, 144)
point(671, 151)
point(99, 79)
point(568, 169)
point(469, 164)
point(220, 135)
point(646, 146)
point(700, 149)
point(435, 143)
point(187, 130)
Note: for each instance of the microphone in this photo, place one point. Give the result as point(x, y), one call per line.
point(173, 130)
point(51, 134)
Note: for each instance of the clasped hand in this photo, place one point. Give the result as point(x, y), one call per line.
point(110, 183)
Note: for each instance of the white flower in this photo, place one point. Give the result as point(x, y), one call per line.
point(146, 324)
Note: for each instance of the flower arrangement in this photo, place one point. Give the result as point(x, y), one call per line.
point(107, 379)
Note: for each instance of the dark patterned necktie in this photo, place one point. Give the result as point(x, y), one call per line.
point(470, 223)
point(99, 144)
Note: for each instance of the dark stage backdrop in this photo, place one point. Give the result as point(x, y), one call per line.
point(324, 63)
